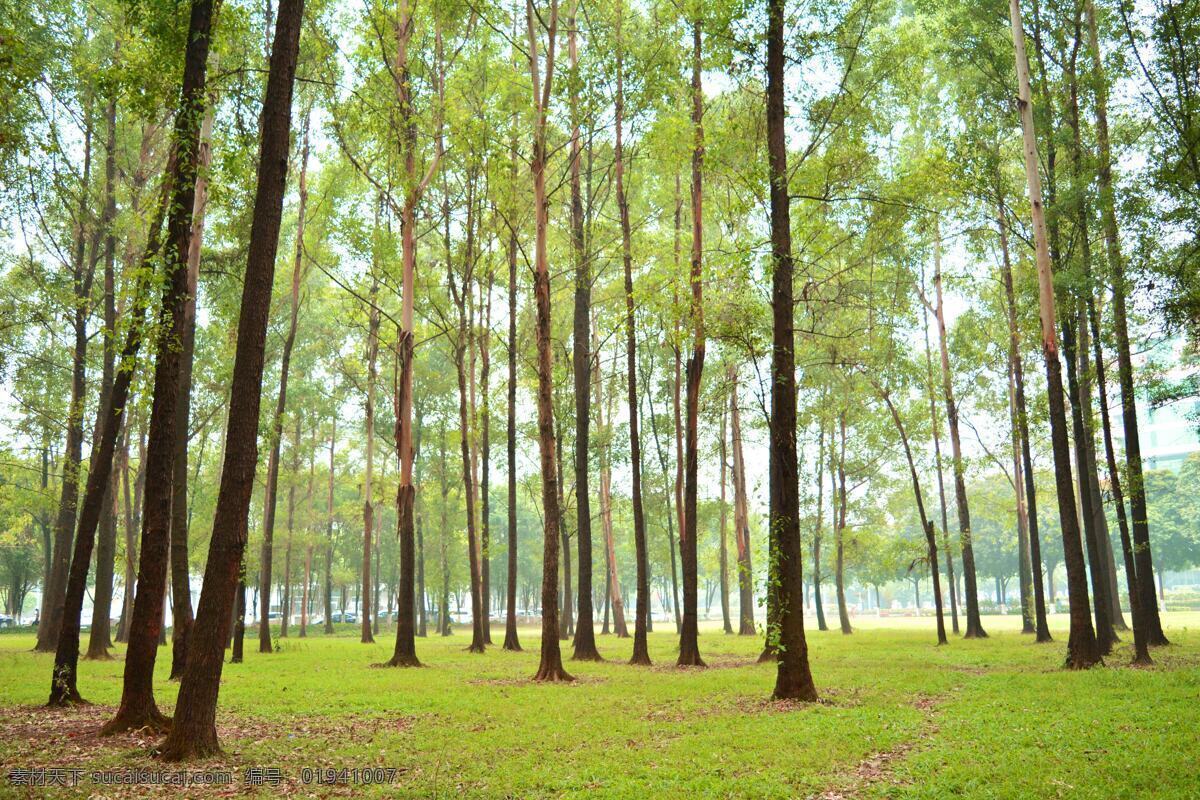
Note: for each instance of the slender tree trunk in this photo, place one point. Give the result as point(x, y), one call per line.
point(485, 446)
point(269, 494)
point(724, 547)
point(585, 636)
point(132, 526)
point(364, 609)
point(1082, 648)
point(641, 654)
point(181, 590)
point(55, 590)
point(99, 640)
point(194, 733)
point(974, 624)
point(926, 523)
point(840, 528)
point(689, 646)
point(329, 530)
point(550, 666)
point(511, 639)
point(1023, 563)
point(1022, 419)
point(1143, 560)
point(612, 590)
point(936, 426)
point(138, 708)
point(63, 688)
point(820, 521)
point(793, 679)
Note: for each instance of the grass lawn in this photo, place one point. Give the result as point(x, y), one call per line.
point(899, 717)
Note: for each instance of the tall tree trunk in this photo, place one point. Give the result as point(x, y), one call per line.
point(99, 640)
point(270, 492)
point(550, 665)
point(926, 524)
point(511, 639)
point(329, 530)
point(1082, 648)
point(138, 709)
point(181, 590)
point(364, 608)
point(840, 528)
point(741, 514)
point(974, 623)
point(689, 646)
point(63, 688)
point(420, 600)
point(727, 625)
point(1022, 418)
point(612, 580)
point(133, 507)
point(1143, 560)
point(581, 361)
point(820, 521)
point(936, 426)
point(567, 628)
point(793, 679)
point(194, 733)
point(55, 591)
point(641, 654)
point(485, 446)
point(1024, 571)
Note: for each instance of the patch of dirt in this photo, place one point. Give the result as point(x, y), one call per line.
point(579, 680)
point(61, 748)
point(839, 698)
point(878, 767)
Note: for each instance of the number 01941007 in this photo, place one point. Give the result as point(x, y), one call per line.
point(361, 775)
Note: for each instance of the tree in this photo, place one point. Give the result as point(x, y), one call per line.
point(1082, 648)
point(193, 733)
point(793, 678)
point(550, 665)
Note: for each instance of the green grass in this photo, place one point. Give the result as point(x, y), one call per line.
point(899, 718)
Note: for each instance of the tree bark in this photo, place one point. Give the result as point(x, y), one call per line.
point(194, 733)
point(974, 623)
point(1082, 647)
point(55, 590)
point(727, 625)
point(1042, 632)
point(793, 679)
point(641, 654)
point(840, 528)
point(550, 665)
point(1116, 268)
point(99, 640)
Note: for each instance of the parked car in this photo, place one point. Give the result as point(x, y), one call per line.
point(7, 621)
point(349, 616)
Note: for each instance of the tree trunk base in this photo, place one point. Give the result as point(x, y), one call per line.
point(552, 674)
point(191, 748)
point(100, 654)
point(586, 653)
point(475, 647)
point(65, 697)
point(401, 661)
point(144, 716)
point(511, 642)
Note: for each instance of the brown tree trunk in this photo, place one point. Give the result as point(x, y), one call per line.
point(840, 528)
point(269, 494)
point(741, 515)
point(138, 708)
point(641, 654)
point(612, 580)
point(1082, 648)
point(724, 547)
point(511, 639)
point(820, 521)
point(974, 623)
point(1143, 560)
point(550, 665)
point(793, 679)
point(99, 640)
point(133, 507)
point(181, 590)
point(936, 426)
point(689, 646)
point(926, 523)
point(329, 530)
point(55, 591)
point(63, 685)
point(364, 607)
point(484, 415)
point(585, 635)
point(194, 733)
point(1022, 417)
